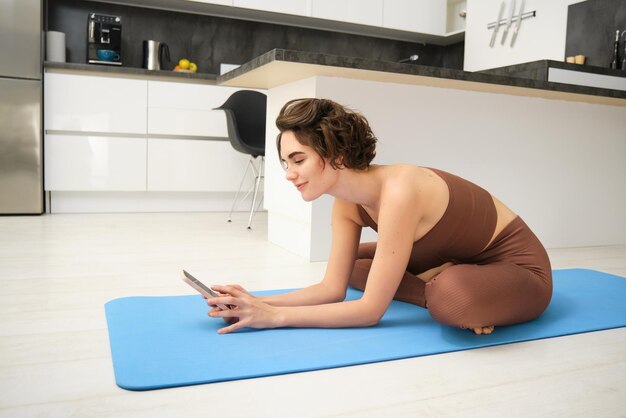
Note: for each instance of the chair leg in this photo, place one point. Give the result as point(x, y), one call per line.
point(239, 190)
point(258, 173)
point(257, 183)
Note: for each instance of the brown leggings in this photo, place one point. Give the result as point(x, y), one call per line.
point(508, 283)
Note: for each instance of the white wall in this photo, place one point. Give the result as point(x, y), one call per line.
point(558, 164)
point(289, 217)
point(541, 37)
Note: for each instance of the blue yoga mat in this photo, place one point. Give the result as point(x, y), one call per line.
point(159, 342)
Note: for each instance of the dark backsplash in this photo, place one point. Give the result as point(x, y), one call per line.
point(209, 41)
point(591, 27)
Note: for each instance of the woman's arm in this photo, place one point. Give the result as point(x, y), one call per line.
point(397, 224)
point(346, 231)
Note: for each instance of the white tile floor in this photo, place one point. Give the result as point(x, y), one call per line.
point(57, 271)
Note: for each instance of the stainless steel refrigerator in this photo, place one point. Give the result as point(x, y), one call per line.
point(21, 171)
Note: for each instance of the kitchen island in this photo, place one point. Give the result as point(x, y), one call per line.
point(280, 66)
point(553, 152)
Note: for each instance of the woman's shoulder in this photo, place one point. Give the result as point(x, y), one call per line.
point(406, 175)
point(405, 168)
point(413, 184)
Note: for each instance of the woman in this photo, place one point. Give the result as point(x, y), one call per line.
point(444, 243)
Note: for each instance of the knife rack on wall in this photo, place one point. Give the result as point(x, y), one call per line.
point(507, 23)
point(504, 21)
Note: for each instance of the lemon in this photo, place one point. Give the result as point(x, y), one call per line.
point(184, 64)
point(193, 67)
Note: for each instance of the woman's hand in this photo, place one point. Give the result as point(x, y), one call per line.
point(246, 310)
point(217, 309)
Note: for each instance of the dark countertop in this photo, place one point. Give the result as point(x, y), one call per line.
point(116, 70)
point(538, 70)
point(244, 75)
point(531, 75)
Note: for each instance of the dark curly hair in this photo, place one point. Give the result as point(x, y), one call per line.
point(337, 134)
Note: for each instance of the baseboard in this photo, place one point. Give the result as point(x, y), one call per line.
point(125, 202)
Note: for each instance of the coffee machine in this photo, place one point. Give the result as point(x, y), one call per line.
point(104, 39)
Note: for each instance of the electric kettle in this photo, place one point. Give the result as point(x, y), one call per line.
point(153, 52)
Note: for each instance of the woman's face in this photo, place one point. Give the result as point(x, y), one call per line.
point(308, 172)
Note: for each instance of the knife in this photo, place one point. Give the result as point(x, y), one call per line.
point(518, 23)
point(508, 23)
point(495, 29)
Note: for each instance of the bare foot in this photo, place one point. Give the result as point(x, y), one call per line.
point(483, 330)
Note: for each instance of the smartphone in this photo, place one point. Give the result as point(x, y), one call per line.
point(202, 288)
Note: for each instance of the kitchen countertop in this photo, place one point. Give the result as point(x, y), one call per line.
point(130, 71)
point(281, 66)
point(538, 70)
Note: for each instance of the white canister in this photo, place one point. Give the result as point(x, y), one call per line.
point(55, 46)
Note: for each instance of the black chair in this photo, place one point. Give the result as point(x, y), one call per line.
point(245, 119)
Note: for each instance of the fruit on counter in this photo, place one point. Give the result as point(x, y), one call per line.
point(185, 65)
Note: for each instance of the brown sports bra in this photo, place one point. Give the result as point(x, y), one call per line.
point(461, 234)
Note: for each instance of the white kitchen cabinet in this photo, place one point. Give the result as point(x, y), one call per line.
point(422, 16)
point(126, 144)
point(94, 163)
point(363, 12)
point(220, 2)
point(203, 123)
point(177, 95)
point(82, 103)
point(402, 20)
point(292, 7)
point(455, 22)
point(186, 109)
point(194, 165)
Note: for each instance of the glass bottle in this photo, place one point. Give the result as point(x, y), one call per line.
point(615, 60)
point(624, 56)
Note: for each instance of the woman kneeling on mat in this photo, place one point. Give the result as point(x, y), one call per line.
point(444, 243)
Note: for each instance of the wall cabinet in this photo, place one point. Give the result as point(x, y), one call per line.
point(424, 16)
point(435, 17)
point(438, 18)
point(363, 12)
point(219, 2)
point(432, 21)
point(94, 163)
point(293, 7)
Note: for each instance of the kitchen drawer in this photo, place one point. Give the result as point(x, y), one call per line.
point(194, 165)
point(94, 163)
point(176, 95)
point(185, 109)
point(95, 104)
point(185, 122)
